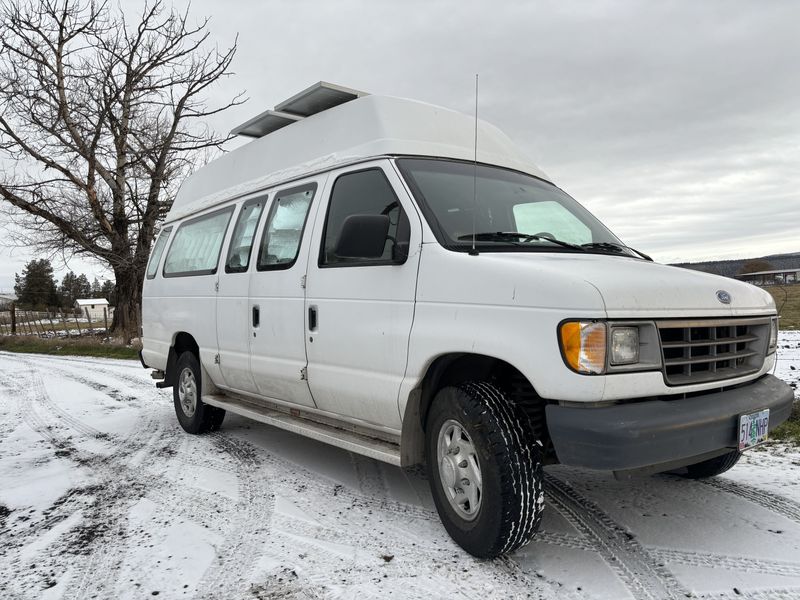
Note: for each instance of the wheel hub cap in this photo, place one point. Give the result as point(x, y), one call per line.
point(459, 469)
point(187, 392)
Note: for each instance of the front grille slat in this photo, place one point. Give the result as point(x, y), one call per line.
point(701, 351)
point(712, 342)
point(709, 359)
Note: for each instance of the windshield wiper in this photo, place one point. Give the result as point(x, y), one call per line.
point(517, 237)
point(614, 247)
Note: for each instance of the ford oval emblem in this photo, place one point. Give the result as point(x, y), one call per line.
point(723, 296)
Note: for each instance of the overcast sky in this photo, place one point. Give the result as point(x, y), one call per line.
point(676, 123)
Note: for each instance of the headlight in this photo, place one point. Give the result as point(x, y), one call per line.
point(773, 335)
point(624, 345)
point(584, 345)
point(607, 347)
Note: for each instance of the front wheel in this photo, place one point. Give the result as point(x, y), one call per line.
point(712, 467)
point(484, 468)
point(193, 414)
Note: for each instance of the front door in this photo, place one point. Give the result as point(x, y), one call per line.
point(276, 304)
point(359, 311)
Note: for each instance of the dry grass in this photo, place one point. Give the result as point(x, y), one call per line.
point(790, 430)
point(787, 300)
point(83, 346)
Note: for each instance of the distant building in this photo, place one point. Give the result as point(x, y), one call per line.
point(94, 307)
point(6, 300)
point(774, 277)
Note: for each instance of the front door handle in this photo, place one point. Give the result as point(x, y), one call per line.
point(256, 316)
point(312, 318)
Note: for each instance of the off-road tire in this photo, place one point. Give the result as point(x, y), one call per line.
point(713, 466)
point(510, 461)
point(205, 418)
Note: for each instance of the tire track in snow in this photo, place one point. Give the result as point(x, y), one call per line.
point(639, 572)
point(724, 561)
point(163, 494)
point(117, 488)
point(196, 505)
point(399, 540)
point(65, 367)
point(564, 540)
point(228, 576)
point(790, 593)
point(10, 388)
point(772, 502)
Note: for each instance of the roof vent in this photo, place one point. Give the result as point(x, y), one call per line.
point(319, 97)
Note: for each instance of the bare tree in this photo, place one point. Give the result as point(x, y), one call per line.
point(100, 119)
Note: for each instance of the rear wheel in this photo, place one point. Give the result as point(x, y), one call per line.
point(713, 466)
point(193, 414)
point(484, 468)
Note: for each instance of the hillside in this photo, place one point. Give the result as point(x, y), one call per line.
point(729, 268)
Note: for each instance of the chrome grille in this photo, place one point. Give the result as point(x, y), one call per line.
point(704, 350)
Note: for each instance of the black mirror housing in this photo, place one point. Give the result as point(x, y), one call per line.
point(363, 236)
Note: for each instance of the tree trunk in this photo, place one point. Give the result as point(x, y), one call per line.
point(128, 290)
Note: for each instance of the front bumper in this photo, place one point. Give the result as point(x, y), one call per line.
point(642, 434)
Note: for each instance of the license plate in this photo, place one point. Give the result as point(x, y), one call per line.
point(753, 429)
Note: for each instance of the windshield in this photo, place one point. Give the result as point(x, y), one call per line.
point(512, 211)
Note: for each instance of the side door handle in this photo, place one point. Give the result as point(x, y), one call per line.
point(256, 315)
point(312, 318)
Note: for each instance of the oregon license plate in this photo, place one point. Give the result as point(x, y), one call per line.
point(753, 429)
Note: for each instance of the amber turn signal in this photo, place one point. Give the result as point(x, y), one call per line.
point(583, 344)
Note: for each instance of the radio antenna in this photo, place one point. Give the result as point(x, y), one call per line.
point(474, 252)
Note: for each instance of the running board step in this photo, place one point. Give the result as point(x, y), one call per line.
point(347, 440)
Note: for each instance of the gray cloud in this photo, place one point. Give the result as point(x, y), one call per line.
point(677, 123)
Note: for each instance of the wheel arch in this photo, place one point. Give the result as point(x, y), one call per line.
point(182, 341)
point(458, 367)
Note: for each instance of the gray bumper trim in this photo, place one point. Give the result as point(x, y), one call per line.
point(641, 434)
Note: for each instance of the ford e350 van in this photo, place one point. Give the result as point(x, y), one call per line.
point(354, 275)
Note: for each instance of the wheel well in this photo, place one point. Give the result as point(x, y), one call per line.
point(183, 342)
point(452, 369)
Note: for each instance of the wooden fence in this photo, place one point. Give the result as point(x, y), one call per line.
point(53, 323)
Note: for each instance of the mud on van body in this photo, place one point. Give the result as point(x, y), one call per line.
point(354, 276)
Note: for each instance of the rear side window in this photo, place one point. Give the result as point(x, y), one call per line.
point(242, 240)
point(158, 250)
point(197, 244)
point(284, 227)
point(364, 193)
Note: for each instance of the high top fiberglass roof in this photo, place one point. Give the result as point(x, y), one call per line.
point(347, 127)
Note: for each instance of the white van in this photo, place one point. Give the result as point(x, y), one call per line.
point(358, 275)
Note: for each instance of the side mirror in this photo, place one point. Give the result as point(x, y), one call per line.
point(363, 236)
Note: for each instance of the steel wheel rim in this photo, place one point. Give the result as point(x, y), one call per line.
point(187, 392)
point(459, 469)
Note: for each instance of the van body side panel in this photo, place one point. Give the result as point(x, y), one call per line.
point(277, 343)
point(189, 305)
point(156, 334)
point(358, 355)
point(473, 304)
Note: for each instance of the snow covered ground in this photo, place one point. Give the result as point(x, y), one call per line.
point(103, 496)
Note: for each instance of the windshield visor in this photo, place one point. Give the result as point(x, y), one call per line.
point(460, 199)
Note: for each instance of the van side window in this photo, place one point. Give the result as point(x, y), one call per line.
point(242, 239)
point(284, 227)
point(365, 193)
point(158, 250)
point(197, 245)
